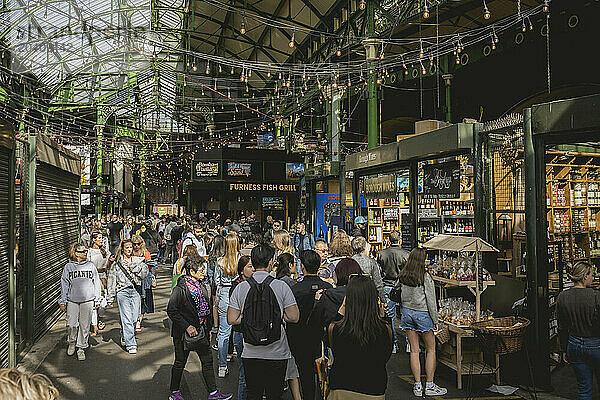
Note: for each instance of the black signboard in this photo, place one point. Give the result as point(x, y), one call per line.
point(441, 181)
point(390, 214)
point(406, 224)
point(206, 169)
point(272, 203)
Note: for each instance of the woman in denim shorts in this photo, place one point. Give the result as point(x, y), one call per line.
point(419, 318)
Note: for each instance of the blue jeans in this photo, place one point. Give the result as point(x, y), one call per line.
point(238, 343)
point(224, 327)
point(584, 355)
point(391, 311)
point(129, 302)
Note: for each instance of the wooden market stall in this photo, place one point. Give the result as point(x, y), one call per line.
point(458, 331)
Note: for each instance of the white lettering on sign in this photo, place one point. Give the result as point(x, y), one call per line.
point(267, 187)
point(441, 180)
point(367, 157)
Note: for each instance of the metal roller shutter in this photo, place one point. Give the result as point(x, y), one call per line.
point(4, 254)
point(57, 208)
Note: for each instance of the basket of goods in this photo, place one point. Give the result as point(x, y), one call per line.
point(503, 335)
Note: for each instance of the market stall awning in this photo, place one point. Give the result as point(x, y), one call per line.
point(459, 243)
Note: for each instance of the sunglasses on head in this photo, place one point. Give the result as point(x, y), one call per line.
point(137, 244)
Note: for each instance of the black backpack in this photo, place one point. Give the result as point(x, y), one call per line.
point(261, 317)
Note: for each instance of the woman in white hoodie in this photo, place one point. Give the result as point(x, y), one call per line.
point(79, 296)
point(100, 257)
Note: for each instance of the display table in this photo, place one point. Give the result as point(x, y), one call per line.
point(473, 365)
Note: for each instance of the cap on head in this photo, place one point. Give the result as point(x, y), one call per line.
point(360, 220)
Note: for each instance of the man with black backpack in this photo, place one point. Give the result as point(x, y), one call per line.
point(305, 342)
point(261, 304)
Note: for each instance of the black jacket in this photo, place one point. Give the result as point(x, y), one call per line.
point(391, 261)
point(326, 309)
point(182, 311)
point(304, 340)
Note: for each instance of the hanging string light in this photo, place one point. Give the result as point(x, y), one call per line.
point(546, 6)
point(486, 11)
point(362, 4)
point(243, 27)
point(425, 10)
point(292, 42)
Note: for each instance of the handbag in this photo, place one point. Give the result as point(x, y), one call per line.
point(395, 294)
point(194, 343)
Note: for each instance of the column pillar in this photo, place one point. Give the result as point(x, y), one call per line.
point(372, 100)
point(99, 155)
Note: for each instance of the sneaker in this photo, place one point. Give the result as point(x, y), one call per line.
point(222, 372)
point(176, 396)
point(132, 350)
point(435, 390)
point(71, 349)
point(219, 396)
point(418, 391)
point(215, 347)
point(80, 355)
point(394, 349)
point(229, 357)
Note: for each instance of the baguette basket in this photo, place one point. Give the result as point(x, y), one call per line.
point(503, 335)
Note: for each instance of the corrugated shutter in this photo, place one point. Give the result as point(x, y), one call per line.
point(57, 208)
point(4, 254)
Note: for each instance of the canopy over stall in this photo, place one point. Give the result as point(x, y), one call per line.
point(463, 243)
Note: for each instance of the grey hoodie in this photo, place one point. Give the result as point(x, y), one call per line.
point(79, 283)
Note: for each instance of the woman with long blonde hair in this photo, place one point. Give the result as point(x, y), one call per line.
point(282, 242)
point(225, 273)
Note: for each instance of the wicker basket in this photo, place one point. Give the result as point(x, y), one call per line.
point(442, 334)
point(502, 335)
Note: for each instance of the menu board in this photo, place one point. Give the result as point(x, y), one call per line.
point(390, 214)
point(408, 240)
point(272, 203)
point(239, 169)
point(441, 181)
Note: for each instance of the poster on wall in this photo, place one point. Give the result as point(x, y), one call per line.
point(273, 203)
point(239, 169)
point(441, 181)
point(328, 208)
point(293, 171)
point(206, 169)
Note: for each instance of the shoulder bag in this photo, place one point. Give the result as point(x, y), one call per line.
point(200, 341)
point(395, 294)
point(138, 288)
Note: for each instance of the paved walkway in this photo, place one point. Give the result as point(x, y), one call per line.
point(110, 373)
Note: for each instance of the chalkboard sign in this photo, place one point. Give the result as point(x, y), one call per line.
point(441, 181)
point(390, 214)
point(406, 227)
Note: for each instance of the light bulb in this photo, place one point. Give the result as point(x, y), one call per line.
point(338, 52)
point(405, 72)
point(195, 68)
point(457, 59)
point(243, 28)
point(292, 42)
point(349, 83)
point(362, 4)
point(530, 25)
point(546, 6)
point(523, 27)
point(486, 11)
point(496, 38)
point(425, 10)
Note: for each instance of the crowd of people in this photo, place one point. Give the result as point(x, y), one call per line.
point(282, 299)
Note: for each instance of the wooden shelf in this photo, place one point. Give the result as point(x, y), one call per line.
point(468, 367)
point(453, 282)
